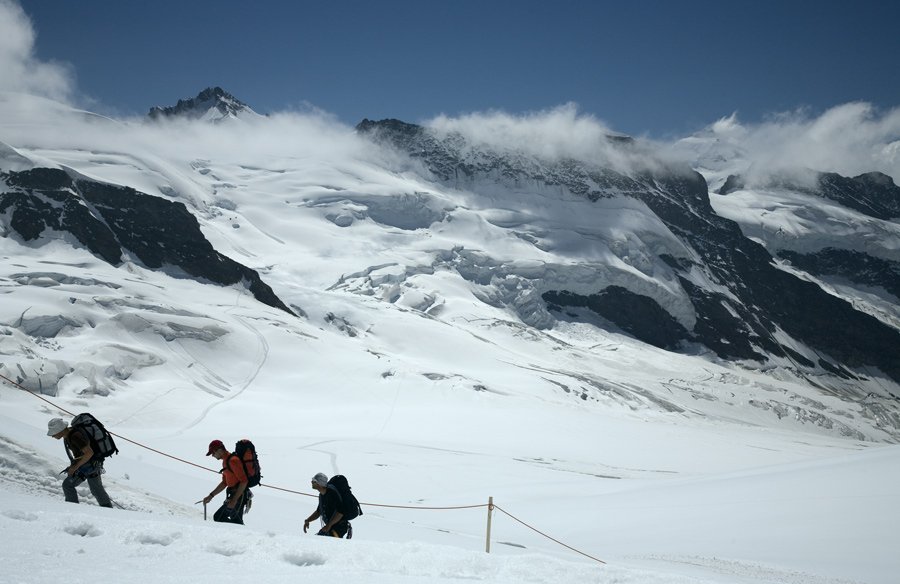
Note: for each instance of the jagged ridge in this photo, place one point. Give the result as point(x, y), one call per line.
point(213, 102)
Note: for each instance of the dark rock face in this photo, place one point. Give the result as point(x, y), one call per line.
point(111, 221)
point(211, 97)
point(760, 300)
point(872, 193)
point(42, 200)
point(732, 183)
point(854, 266)
point(637, 315)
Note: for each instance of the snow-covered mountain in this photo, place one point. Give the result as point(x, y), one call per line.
point(687, 275)
point(438, 314)
point(619, 239)
point(213, 104)
point(839, 232)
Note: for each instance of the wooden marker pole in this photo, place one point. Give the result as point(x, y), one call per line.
point(487, 542)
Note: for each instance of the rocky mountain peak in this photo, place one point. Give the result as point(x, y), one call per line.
point(213, 104)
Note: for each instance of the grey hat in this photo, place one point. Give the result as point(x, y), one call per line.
point(55, 426)
point(320, 479)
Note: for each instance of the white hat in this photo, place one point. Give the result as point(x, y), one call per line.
point(55, 426)
point(320, 479)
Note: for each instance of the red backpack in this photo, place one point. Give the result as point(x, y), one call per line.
point(246, 452)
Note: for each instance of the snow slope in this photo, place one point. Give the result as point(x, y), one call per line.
point(407, 371)
point(826, 520)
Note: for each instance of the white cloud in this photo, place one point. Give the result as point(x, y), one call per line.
point(560, 131)
point(849, 139)
point(38, 124)
point(552, 134)
point(729, 127)
point(22, 70)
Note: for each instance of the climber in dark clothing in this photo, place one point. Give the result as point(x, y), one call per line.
point(329, 504)
point(85, 463)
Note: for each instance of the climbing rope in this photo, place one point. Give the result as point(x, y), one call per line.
point(534, 529)
point(419, 507)
point(491, 506)
point(273, 487)
point(65, 411)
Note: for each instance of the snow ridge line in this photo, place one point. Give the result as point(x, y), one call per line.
point(491, 506)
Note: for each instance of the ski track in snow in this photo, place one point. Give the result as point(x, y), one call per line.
point(261, 355)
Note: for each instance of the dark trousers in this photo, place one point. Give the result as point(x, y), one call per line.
point(339, 529)
point(228, 515)
point(90, 474)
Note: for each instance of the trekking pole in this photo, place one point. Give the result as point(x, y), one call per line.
point(487, 541)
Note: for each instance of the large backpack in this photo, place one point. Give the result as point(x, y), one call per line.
point(101, 440)
point(349, 506)
point(246, 452)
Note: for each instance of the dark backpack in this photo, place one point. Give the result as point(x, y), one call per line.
point(349, 506)
point(246, 452)
point(101, 440)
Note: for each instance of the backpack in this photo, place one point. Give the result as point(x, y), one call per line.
point(101, 440)
point(349, 507)
point(246, 452)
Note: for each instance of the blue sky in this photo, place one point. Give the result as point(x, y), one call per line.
point(658, 68)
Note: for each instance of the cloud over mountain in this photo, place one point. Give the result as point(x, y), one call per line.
point(22, 70)
point(850, 139)
point(553, 134)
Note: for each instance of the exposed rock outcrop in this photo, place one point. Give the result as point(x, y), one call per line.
point(117, 223)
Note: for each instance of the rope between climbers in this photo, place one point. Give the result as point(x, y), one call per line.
point(381, 504)
point(514, 518)
point(490, 505)
point(160, 452)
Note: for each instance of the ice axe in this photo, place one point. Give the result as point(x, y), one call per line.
point(204, 507)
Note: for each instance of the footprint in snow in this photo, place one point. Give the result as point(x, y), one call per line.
point(304, 560)
point(82, 530)
point(224, 550)
point(19, 515)
point(156, 539)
